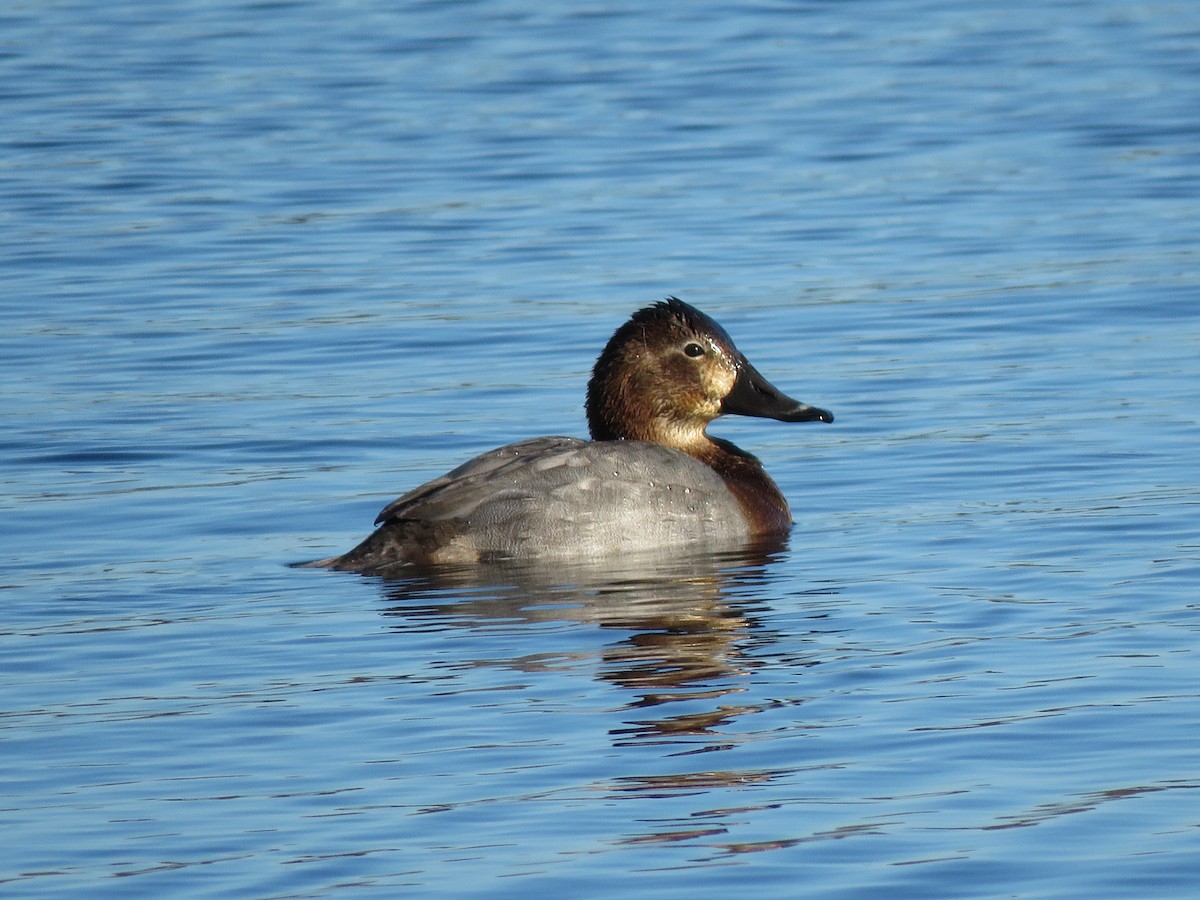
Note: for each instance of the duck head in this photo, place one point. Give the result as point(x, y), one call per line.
point(669, 371)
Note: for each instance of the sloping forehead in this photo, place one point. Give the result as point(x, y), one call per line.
point(681, 318)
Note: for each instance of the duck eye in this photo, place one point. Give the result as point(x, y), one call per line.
point(693, 350)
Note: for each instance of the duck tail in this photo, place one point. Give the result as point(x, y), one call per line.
point(328, 563)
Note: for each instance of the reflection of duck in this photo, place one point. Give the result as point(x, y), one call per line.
point(650, 477)
point(679, 624)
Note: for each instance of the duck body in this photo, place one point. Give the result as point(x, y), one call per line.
point(650, 478)
point(555, 497)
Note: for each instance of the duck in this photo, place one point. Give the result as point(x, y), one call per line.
point(649, 478)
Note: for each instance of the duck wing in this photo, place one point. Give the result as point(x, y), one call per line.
point(506, 473)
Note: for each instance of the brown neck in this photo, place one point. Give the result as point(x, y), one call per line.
point(764, 504)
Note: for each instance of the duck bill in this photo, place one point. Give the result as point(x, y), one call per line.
point(753, 395)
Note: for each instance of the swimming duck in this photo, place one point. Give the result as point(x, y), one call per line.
point(650, 477)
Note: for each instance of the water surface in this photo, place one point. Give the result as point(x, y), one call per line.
point(267, 266)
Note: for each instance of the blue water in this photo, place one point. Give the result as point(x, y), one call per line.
point(267, 265)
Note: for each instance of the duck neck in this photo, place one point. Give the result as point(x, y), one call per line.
point(765, 506)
